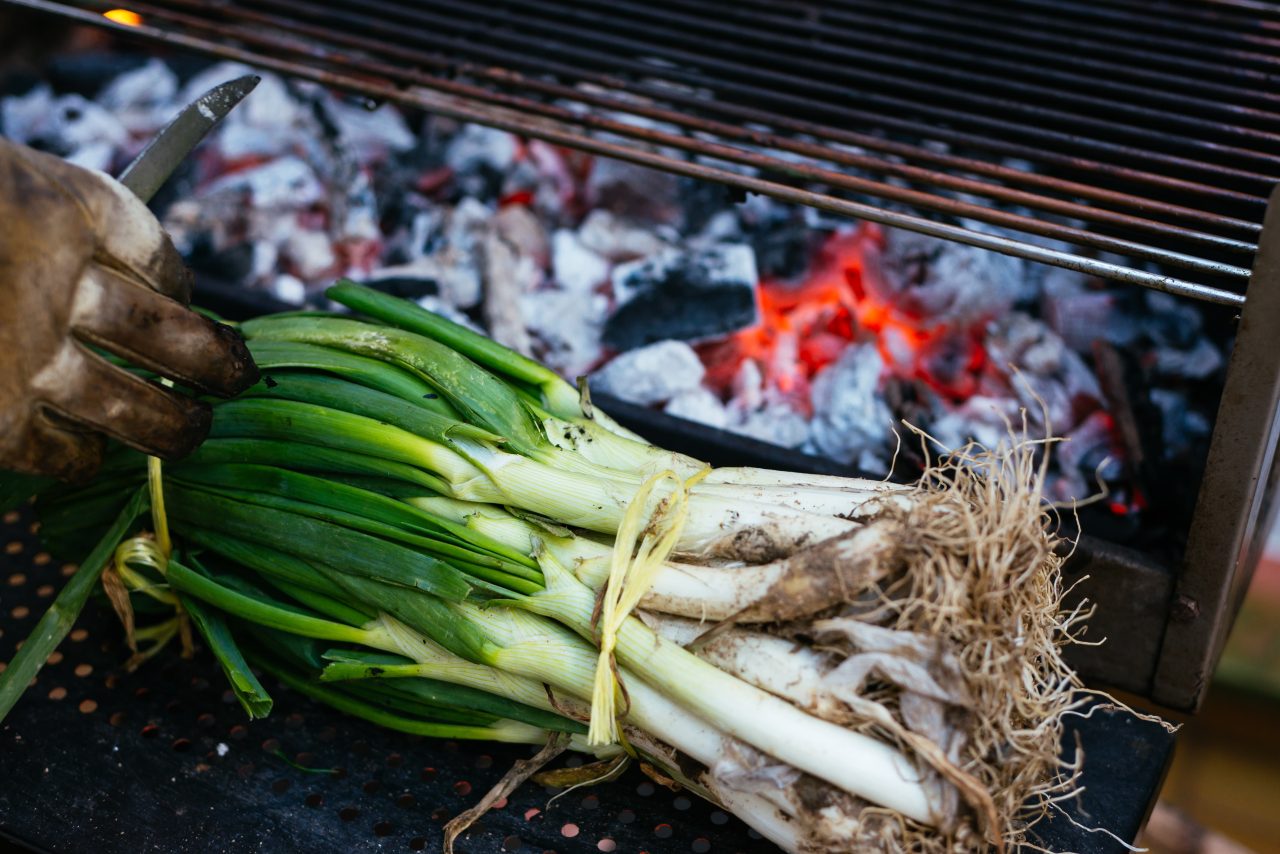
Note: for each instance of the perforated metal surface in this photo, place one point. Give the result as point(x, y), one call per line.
point(163, 759)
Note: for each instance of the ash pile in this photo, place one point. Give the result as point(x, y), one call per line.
point(737, 312)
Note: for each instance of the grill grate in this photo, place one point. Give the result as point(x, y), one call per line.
point(1131, 141)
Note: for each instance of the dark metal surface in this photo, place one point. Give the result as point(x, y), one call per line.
point(153, 166)
point(1043, 130)
point(1236, 504)
point(94, 758)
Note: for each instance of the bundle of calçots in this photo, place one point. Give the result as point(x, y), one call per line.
point(417, 526)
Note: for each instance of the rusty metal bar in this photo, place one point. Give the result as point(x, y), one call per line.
point(1239, 166)
point(757, 139)
point(884, 39)
point(846, 62)
point(929, 30)
point(1057, 46)
point(1112, 14)
point(510, 54)
point(521, 123)
point(1144, 34)
point(901, 153)
point(463, 62)
point(460, 47)
point(751, 158)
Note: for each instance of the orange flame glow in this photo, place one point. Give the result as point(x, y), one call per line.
point(805, 327)
point(123, 16)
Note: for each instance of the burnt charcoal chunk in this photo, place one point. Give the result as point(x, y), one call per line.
point(688, 296)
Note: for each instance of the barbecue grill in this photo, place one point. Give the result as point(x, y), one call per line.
point(1134, 142)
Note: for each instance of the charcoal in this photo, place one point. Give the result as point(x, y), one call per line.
point(568, 326)
point(690, 296)
point(948, 281)
point(634, 192)
point(480, 157)
point(1181, 425)
point(703, 200)
point(652, 374)
point(86, 72)
point(785, 252)
point(1170, 321)
point(784, 241)
point(233, 264)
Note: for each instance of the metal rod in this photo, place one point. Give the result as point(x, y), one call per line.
point(756, 95)
point(844, 60)
point(498, 29)
point(1055, 43)
point(520, 124)
point(755, 138)
point(1192, 32)
point(1143, 35)
point(760, 138)
point(889, 35)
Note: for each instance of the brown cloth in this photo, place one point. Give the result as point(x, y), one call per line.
point(83, 262)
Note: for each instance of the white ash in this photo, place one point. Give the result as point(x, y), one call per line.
point(1200, 362)
point(72, 126)
point(652, 374)
point(777, 423)
point(370, 134)
point(310, 254)
point(980, 418)
point(476, 148)
point(457, 252)
point(138, 97)
point(616, 239)
point(568, 326)
point(575, 267)
point(748, 387)
point(289, 289)
point(1051, 375)
point(446, 310)
point(851, 421)
point(1085, 458)
point(700, 405)
point(940, 278)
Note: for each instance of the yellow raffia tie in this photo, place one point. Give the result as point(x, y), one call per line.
point(650, 529)
point(151, 551)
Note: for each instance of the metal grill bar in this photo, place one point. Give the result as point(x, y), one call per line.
point(850, 107)
point(827, 176)
point(839, 155)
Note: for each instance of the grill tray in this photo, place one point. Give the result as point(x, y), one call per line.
point(135, 762)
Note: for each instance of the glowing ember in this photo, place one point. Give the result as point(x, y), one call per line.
point(805, 327)
point(123, 16)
